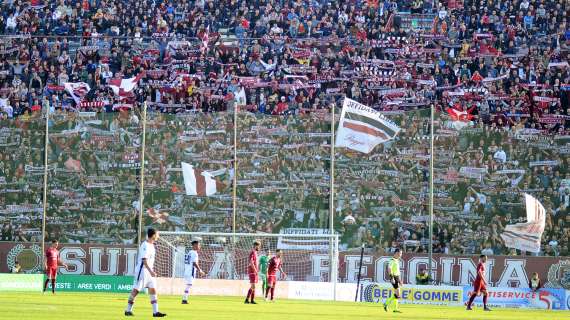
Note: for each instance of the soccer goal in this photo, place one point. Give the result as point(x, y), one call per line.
point(225, 255)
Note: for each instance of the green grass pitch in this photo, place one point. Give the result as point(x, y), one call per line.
point(71, 306)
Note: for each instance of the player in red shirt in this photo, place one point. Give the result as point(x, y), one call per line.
point(51, 263)
point(274, 265)
point(253, 272)
point(480, 284)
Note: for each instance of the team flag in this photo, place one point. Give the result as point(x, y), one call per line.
point(459, 119)
point(362, 128)
point(77, 90)
point(205, 40)
point(199, 182)
point(526, 236)
point(124, 87)
point(157, 215)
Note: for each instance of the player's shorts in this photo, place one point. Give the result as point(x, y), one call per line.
point(479, 286)
point(189, 276)
point(271, 279)
point(263, 277)
point(395, 281)
point(253, 278)
point(51, 273)
point(144, 280)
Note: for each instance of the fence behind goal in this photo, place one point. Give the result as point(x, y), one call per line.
point(225, 255)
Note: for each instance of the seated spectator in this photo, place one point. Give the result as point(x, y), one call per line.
point(535, 283)
point(17, 268)
point(423, 278)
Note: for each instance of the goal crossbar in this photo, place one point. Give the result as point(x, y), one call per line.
point(253, 235)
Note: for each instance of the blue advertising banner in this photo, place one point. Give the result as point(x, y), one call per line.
point(553, 299)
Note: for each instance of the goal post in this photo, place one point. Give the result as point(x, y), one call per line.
point(225, 255)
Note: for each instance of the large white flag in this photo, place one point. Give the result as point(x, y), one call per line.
point(362, 128)
point(526, 236)
point(199, 182)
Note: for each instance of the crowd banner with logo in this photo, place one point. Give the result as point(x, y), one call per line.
point(362, 128)
point(285, 243)
point(526, 236)
point(106, 284)
point(450, 270)
point(552, 299)
point(413, 294)
point(20, 282)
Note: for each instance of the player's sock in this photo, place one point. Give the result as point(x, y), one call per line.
point(252, 294)
point(46, 285)
point(52, 285)
point(154, 303)
point(471, 299)
point(267, 291)
point(485, 301)
point(272, 292)
point(186, 292)
point(130, 304)
point(396, 307)
point(389, 301)
point(248, 295)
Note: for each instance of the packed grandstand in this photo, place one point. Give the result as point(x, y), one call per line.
point(498, 78)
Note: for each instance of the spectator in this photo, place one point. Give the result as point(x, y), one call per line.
point(535, 283)
point(423, 278)
point(488, 251)
point(17, 268)
point(6, 232)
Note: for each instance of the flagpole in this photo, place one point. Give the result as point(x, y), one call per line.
point(46, 151)
point(430, 226)
point(234, 192)
point(234, 196)
point(141, 187)
point(332, 265)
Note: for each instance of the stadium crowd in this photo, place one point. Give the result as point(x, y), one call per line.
point(503, 63)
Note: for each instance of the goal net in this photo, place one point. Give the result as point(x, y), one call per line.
point(225, 255)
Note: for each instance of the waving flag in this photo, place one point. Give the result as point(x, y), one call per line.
point(157, 215)
point(199, 182)
point(459, 119)
point(124, 87)
point(77, 90)
point(73, 165)
point(526, 236)
point(205, 40)
point(362, 128)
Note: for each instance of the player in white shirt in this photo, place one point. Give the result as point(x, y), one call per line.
point(144, 274)
point(191, 269)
